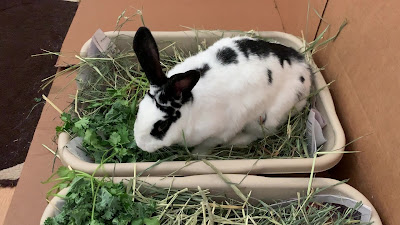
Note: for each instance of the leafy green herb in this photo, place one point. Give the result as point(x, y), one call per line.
point(112, 205)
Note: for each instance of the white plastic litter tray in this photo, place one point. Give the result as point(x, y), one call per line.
point(267, 189)
point(333, 131)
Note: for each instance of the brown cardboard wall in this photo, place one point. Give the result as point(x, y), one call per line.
point(364, 61)
point(160, 15)
point(294, 16)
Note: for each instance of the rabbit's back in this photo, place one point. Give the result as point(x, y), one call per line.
point(242, 80)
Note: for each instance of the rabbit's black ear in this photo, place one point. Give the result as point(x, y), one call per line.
point(146, 51)
point(181, 84)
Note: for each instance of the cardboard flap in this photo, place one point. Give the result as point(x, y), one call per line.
point(287, 16)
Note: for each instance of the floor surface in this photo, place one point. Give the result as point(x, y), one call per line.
point(26, 27)
point(5, 200)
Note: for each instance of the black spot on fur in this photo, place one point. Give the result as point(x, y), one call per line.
point(186, 97)
point(169, 110)
point(150, 95)
point(170, 107)
point(269, 76)
point(162, 98)
point(203, 70)
point(161, 127)
point(227, 56)
point(299, 95)
point(263, 49)
point(176, 104)
point(302, 79)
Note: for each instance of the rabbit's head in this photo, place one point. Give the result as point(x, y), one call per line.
point(159, 111)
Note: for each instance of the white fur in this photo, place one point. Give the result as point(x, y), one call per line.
point(229, 101)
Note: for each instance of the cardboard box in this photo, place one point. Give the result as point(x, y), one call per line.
point(363, 61)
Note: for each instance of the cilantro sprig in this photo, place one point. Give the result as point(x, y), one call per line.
point(93, 201)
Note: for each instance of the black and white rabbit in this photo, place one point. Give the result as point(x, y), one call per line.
point(223, 95)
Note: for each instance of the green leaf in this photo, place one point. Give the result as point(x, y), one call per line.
point(115, 139)
point(96, 222)
point(98, 156)
point(151, 221)
point(61, 218)
point(82, 123)
point(132, 144)
point(121, 220)
point(95, 105)
point(59, 129)
point(77, 181)
point(64, 172)
point(121, 152)
point(79, 215)
point(91, 137)
point(133, 106)
point(66, 117)
point(137, 222)
point(50, 221)
point(106, 199)
point(124, 133)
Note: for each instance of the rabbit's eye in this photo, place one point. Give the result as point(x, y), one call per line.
point(160, 128)
point(163, 126)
